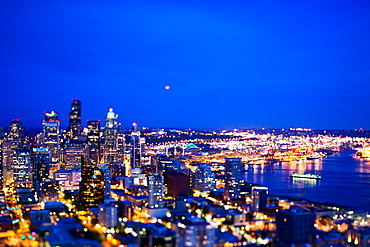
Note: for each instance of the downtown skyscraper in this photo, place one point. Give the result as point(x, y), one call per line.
point(93, 140)
point(111, 138)
point(137, 149)
point(16, 134)
point(74, 128)
point(155, 191)
point(232, 178)
point(22, 168)
point(51, 133)
point(41, 160)
point(91, 185)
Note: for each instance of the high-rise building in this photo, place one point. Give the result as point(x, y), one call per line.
point(22, 169)
point(1, 165)
point(15, 141)
point(41, 159)
point(2, 133)
point(204, 179)
point(155, 191)
point(121, 147)
point(111, 138)
point(73, 153)
point(51, 133)
point(232, 178)
point(93, 138)
point(74, 128)
point(16, 134)
point(259, 198)
point(91, 185)
point(125, 209)
point(294, 226)
point(48, 191)
point(177, 184)
point(167, 165)
point(7, 161)
point(108, 215)
point(107, 181)
point(68, 179)
point(194, 232)
point(137, 147)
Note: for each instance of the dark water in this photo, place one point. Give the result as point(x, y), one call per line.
point(345, 179)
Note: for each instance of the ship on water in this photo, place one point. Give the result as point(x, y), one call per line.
point(363, 152)
point(305, 175)
point(314, 156)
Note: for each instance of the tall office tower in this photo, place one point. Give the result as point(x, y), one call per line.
point(177, 184)
point(73, 153)
point(137, 147)
point(259, 198)
point(93, 140)
point(16, 134)
point(91, 185)
point(1, 166)
point(2, 133)
point(232, 178)
point(110, 138)
point(121, 147)
point(194, 232)
point(7, 162)
point(41, 159)
point(108, 215)
point(294, 226)
point(204, 179)
point(51, 131)
point(48, 191)
point(107, 181)
point(74, 128)
point(155, 191)
point(22, 169)
point(167, 165)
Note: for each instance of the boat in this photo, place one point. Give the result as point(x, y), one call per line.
point(363, 153)
point(305, 175)
point(314, 156)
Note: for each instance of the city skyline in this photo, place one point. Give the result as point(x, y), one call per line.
point(227, 65)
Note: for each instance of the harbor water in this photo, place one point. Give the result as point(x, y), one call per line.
point(345, 179)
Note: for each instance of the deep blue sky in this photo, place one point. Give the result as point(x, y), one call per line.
point(229, 63)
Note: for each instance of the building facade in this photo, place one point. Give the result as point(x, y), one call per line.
point(41, 159)
point(74, 128)
point(204, 179)
point(155, 191)
point(259, 198)
point(22, 168)
point(16, 135)
point(294, 226)
point(137, 148)
point(194, 232)
point(91, 185)
point(93, 140)
point(232, 178)
point(51, 134)
point(111, 138)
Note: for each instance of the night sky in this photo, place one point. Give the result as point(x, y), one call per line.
point(228, 63)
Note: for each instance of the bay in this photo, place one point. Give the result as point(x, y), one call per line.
point(345, 179)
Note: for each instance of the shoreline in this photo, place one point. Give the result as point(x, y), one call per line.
point(317, 203)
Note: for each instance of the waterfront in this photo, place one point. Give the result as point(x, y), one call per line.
point(345, 179)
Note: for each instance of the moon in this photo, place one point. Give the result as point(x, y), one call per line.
point(167, 87)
